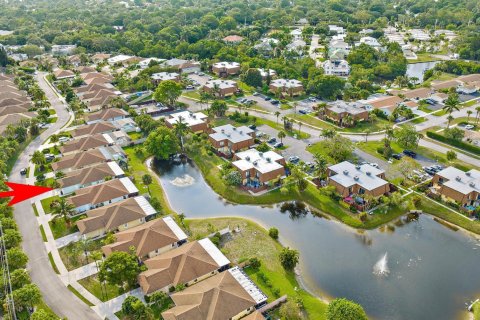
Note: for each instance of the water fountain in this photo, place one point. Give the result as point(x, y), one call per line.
point(381, 267)
point(183, 181)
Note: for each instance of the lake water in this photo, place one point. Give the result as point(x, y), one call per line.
point(417, 69)
point(434, 271)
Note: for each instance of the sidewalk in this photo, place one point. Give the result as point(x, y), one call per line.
point(108, 309)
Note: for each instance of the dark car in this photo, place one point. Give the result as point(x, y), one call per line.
point(23, 171)
point(252, 126)
point(410, 153)
point(267, 98)
point(278, 145)
point(430, 171)
point(275, 102)
point(272, 140)
point(397, 156)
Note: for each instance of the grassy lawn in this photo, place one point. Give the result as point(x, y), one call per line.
point(476, 311)
point(423, 57)
point(253, 241)
point(429, 206)
point(103, 292)
point(135, 135)
point(79, 295)
point(60, 228)
point(372, 146)
point(35, 211)
point(279, 126)
point(208, 164)
point(52, 263)
point(11, 161)
point(418, 120)
point(73, 255)
point(378, 125)
point(52, 111)
point(137, 168)
point(47, 202)
point(44, 236)
point(312, 120)
point(47, 168)
point(191, 94)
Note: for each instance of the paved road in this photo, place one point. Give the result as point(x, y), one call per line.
point(63, 302)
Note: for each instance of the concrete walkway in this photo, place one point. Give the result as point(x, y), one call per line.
point(108, 309)
point(65, 241)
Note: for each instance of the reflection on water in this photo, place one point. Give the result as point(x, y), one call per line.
point(433, 270)
point(416, 70)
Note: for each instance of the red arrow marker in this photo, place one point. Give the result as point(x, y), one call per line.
point(21, 192)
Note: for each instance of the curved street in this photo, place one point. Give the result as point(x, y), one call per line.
point(55, 294)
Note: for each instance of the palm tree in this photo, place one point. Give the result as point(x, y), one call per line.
point(469, 113)
point(147, 180)
point(63, 209)
point(320, 164)
point(281, 135)
point(181, 217)
point(300, 127)
point(477, 117)
point(180, 128)
point(204, 98)
point(451, 104)
point(295, 105)
point(38, 158)
point(449, 118)
point(367, 132)
point(277, 114)
point(328, 133)
point(322, 107)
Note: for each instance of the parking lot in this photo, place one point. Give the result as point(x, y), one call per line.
point(267, 105)
point(198, 78)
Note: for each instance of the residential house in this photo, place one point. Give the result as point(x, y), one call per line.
point(61, 74)
point(86, 143)
point(233, 39)
point(385, 103)
point(120, 138)
point(259, 168)
point(220, 88)
point(80, 160)
point(445, 85)
point(266, 45)
point(122, 59)
point(93, 129)
point(224, 69)
point(100, 57)
point(162, 76)
point(255, 315)
point(370, 41)
point(336, 29)
point(419, 35)
point(265, 73)
point(297, 46)
point(14, 119)
point(146, 63)
point(228, 139)
point(126, 125)
point(187, 265)
point(63, 50)
point(338, 68)
point(85, 69)
point(346, 113)
point(90, 176)
point(183, 66)
point(119, 216)
point(103, 194)
point(414, 94)
point(456, 185)
point(149, 240)
point(292, 87)
point(350, 179)
point(228, 295)
point(196, 122)
point(111, 114)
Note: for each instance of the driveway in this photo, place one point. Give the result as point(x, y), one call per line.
point(55, 294)
point(200, 79)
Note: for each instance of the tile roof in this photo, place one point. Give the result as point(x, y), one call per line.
point(79, 160)
point(86, 143)
point(106, 114)
point(94, 128)
point(91, 174)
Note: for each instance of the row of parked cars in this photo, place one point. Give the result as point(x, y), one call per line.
point(267, 98)
point(431, 170)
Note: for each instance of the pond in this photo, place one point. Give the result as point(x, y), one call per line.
point(418, 69)
point(433, 271)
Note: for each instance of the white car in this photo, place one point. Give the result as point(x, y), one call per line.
point(469, 126)
point(63, 139)
point(373, 164)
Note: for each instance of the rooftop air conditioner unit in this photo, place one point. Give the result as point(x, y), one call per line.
point(356, 178)
point(472, 184)
point(247, 158)
point(345, 172)
point(369, 173)
point(468, 173)
point(458, 178)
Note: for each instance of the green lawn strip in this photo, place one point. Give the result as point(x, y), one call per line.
point(375, 126)
point(279, 126)
point(137, 169)
point(35, 211)
point(372, 146)
point(423, 57)
point(135, 135)
point(52, 262)
point(104, 292)
point(52, 119)
point(47, 202)
point(191, 94)
point(60, 228)
point(79, 296)
point(42, 305)
point(208, 164)
point(73, 254)
point(52, 111)
point(311, 120)
point(47, 168)
point(253, 241)
point(431, 207)
point(476, 311)
point(42, 232)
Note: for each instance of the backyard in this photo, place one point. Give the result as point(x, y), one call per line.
point(73, 255)
point(253, 241)
point(104, 291)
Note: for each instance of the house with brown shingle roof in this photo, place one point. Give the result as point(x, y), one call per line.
point(470, 78)
point(93, 129)
point(85, 69)
point(7, 102)
point(86, 177)
point(187, 264)
point(228, 295)
point(416, 94)
point(111, 114)
point(255, 315)
point(103, 194)
point(119, 216)
point(86, 143)
point(95, 74)
point(13, 94)
point(14, 118)
point(149, 240)
point(63, 74)
point(99, 57)
point(440, 85)
point(104, 92)
point(15, 109)
point(80, 160)
point(383, 102)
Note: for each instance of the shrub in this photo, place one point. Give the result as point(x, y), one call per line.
point(363, 216)
point(254, 263)
point(273, 233)
point(459, 144)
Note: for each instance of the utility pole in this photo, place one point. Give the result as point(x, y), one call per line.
point(7, 284)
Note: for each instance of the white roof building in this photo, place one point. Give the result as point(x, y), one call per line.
point(419, 34)
point(262, 161)
point(335, 28)
point(372, 42)
point(286, 83)
point(65, 49)
point(221, 84)
point(226, 65)
point(186, 117)
point(145, 63)
point(231, 133)
point(248, 285)
point(118, 59)
point(296, 34)
point(264, 73)
point(162, 76)
point(366, 176)
point(460, 181)
point(336, 68)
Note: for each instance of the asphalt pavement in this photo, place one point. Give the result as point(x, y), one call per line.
point(55, 294)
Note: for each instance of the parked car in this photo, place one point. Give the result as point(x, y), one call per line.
point(429, 170)
point(23, 171)
point(410, 153)
point(397, 156)
point(189, 87)
point(260, 134)
point(252, 126)
point(49, 157)
point(302, 111)
point(312, 99)
point(267, 98)
point(201, 74)
point(272, 140)
point(256, 93)
point(310, 165)
point(278, 145)
point(274, 102)
point(469, 127)
point(63, 139)
point(373, 164)
point(293, 159)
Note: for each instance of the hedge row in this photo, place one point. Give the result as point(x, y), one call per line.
point(459, 144)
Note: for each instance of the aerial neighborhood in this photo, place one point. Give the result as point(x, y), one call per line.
point(226, 160)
